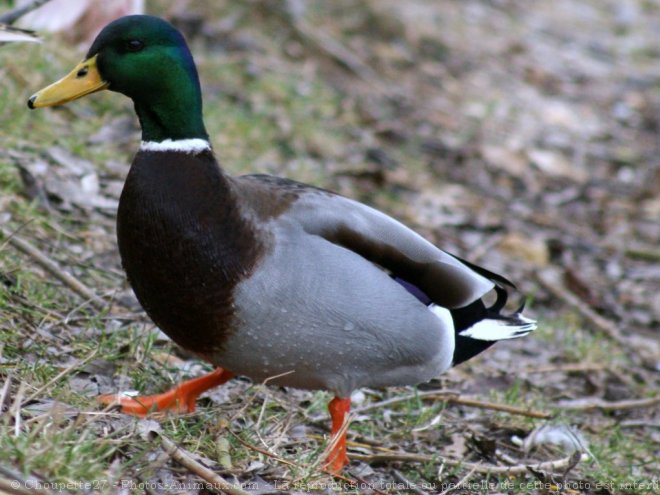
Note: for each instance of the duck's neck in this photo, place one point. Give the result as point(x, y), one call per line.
point(172, 110)
point(173, 121)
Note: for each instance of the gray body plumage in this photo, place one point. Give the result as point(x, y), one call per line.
point(315, 314)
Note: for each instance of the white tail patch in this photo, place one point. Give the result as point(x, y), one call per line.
point(191, 146)
point(444, 315)
point(491, 329)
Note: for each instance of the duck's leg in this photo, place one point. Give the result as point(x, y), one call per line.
point(337, 458)
point(179, 399)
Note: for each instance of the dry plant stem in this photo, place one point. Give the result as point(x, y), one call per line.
point(550, 281)
point(458, 485)
point(506, 458)
point(15, 409)
point(455, 399)
point(588, 405)
point(283, 461)
point(48, 264)
point(557, 465)
point(568, 368)
point(4, 394)
point(61, 374)
point(632, 423)
point(410, 485)
point(183, 458)
point(6, 487)
point(499, 407)
point(644, 254)
point(9, 478)
point(15, 14)
point(261, 451)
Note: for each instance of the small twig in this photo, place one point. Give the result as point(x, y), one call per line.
point(259, 419)
point(48, 264)
point(13, 484)
point(334, 440)
point(262, 451)
point(61, 374)
point(283, 461)
point(589, 404)
point(405, 398)
point(10, 488)
point(13, 15)
point(500, 407)
point(458, 485)
point(567, 368)
point(636, 423)
point(557, 465)
point(294, 464)
point(576, 457)
point(643, 254)
point(15, 408)
point(550, 281)
point(410, 485)
point(4, 394)
point(454, 398)
point(185, 459)
point(506, 458)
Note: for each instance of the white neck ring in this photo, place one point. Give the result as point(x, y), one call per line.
point(191, 146)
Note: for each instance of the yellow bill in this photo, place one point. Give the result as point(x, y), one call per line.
point(82, 80)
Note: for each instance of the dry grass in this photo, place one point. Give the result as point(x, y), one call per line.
point(524, 138)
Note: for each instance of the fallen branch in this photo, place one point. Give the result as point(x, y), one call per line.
point(49, 265)
point(454, 398)
point(184, 458)
point(568, 368)
point(477, 467)
point(604, 405)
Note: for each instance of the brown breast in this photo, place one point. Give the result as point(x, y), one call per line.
point(185, 245)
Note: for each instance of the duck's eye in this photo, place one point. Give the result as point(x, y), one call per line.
point(134, 45)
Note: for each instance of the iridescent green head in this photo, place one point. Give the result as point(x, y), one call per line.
point(146, 59)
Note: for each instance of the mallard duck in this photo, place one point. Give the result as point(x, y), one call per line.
point(264, 276)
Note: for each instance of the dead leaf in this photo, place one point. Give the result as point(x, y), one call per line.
point(531, 249)
point(555, 164)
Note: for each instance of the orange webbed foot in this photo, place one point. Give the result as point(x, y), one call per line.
point(337, 458)
point(179, 399)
